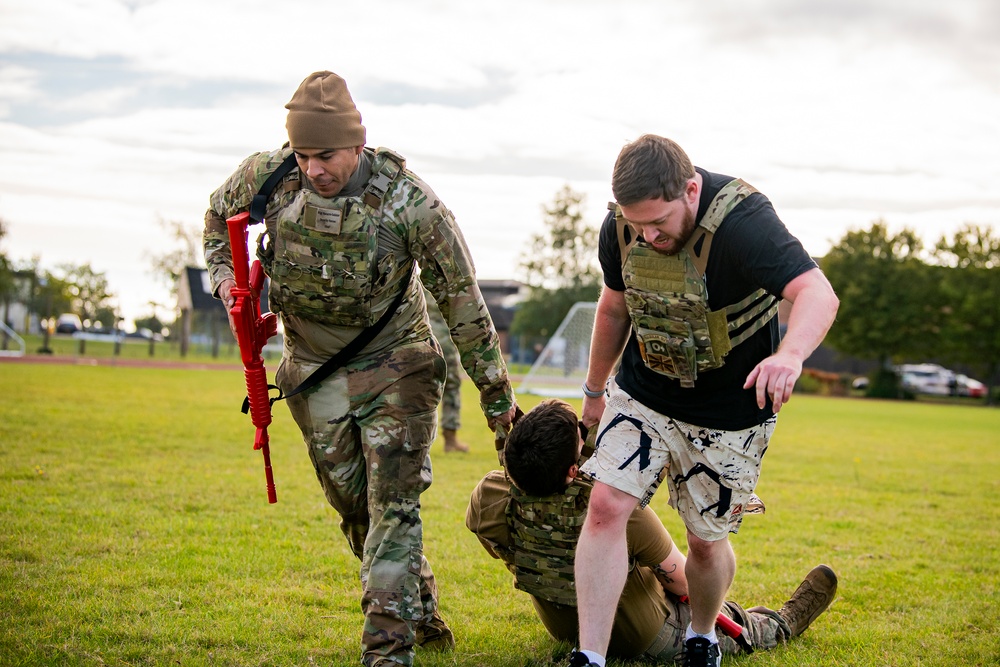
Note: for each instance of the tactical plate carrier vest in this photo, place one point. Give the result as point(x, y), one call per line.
point(545, 532)
point(323, 260)
point(667, 297)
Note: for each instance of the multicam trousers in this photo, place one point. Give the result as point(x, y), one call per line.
point(763, 628)
point(369, 429)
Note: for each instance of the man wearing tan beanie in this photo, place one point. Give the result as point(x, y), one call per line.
point(350, 230)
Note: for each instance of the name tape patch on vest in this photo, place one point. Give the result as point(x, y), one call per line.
point(323, 219)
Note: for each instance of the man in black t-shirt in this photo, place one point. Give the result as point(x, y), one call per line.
point(694, 265)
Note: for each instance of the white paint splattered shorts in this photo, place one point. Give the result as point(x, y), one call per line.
point(710, 473)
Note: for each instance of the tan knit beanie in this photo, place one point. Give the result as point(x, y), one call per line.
point(321, 114)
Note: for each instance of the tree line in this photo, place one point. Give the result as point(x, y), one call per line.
point(68, 288)
point(902, 301)
point(899, 299)
point(81, 290)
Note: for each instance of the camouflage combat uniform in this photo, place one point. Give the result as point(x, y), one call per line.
point(451, 402)
point(649, 623)
point(369, 426)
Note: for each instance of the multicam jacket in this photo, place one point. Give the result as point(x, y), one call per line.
point(336, 264)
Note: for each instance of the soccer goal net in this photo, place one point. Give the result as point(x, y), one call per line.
point(561, 368)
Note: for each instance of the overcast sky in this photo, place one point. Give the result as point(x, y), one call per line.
point(115, 114)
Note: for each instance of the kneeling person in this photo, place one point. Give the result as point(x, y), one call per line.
point(532, 522)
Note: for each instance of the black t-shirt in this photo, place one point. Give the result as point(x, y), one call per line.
point(751, 249)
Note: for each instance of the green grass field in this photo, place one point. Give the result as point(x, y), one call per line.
point(135, 530)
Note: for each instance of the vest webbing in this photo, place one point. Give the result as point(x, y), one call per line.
point(679, 281)
point(545, 531)
point(728, 198)
point(259, 204)
point(325, 258)
point(375, 191)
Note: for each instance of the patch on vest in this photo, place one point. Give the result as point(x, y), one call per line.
point(668, 353)
point(323, 219)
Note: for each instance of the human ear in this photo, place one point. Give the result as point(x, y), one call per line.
point(571, 474)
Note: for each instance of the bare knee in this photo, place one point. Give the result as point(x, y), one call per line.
point(705, 550)
point(608, 509)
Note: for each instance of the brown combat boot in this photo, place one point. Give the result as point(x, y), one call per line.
point(810, 599)
point(451, 443)
point(435, 635)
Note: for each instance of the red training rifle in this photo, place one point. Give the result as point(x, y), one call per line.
point(729, 627)
point(252, 332)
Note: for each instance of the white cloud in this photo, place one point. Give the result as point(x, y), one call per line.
point(115, 114)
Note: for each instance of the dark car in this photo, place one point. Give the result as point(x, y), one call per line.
point(68, 323)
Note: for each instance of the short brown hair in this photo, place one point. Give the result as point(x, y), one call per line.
point(541, 447)
point(649, 168)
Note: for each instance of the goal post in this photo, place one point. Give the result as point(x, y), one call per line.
point(561, 368)
point(6, 332)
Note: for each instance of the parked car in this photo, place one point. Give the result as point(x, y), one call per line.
point(145, 333)
point(68, 323)
point(966, 386)
point(927, 379)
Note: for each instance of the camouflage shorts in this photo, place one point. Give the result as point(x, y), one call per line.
point(710, 473)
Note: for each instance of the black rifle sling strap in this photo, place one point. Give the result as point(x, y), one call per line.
point(257, 209)
point(357, 344)
point(259, 204)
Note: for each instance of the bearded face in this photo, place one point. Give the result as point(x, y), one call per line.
point(665, 226)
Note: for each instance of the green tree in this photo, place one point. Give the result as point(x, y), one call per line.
point(169, 266)
point(7, 286)
point(88, 289)
point(8, 289)
point(52, 294)
point(187, 251)
point(890, 304)
point(560, 267)
point(151, 322)
point(564, 255)
point(108, 317)
point(971, 283)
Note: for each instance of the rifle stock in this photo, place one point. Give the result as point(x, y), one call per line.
point(252, 332)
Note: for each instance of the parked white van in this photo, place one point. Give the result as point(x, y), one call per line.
point(927, 379)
